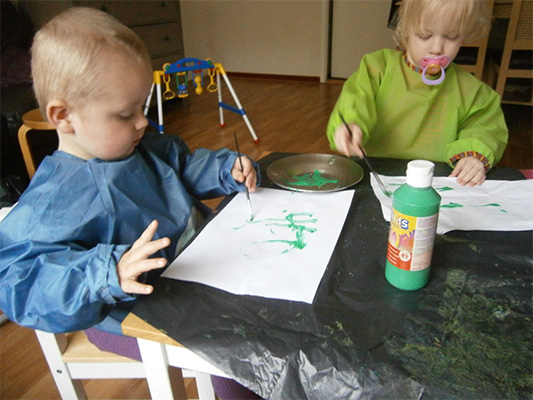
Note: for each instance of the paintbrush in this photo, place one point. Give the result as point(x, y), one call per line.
point(242, 170)
point(376, 176)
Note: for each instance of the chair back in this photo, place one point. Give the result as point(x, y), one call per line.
point(37, 139)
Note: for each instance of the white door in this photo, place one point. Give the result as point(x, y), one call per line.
point(358, 27)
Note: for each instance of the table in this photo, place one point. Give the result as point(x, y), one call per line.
point(467, 334)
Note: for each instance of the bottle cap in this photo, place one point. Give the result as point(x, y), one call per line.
point(420, 173)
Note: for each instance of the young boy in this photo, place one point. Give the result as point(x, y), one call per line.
point(397, 109)
point(105, 212)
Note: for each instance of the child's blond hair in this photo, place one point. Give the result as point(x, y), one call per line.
point(472, 17)
point(68, 55)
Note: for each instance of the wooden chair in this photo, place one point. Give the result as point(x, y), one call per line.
point(519, 37)
point(480, 43)
point(37, 138)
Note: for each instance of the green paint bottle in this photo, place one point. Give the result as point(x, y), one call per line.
point(414, 216)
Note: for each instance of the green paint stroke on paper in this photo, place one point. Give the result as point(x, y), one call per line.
point(310, 179)
point(295, 223)
point(457, 205)
point(452, 205)
point(443, 189)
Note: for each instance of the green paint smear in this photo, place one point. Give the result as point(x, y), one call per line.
point(295, 222)
point(443, 189)
point(457, 205)
point(451, 205)
point(337, 333)
point(479, 348)
point(473, 247)
point(239, 330)
point(314, 179)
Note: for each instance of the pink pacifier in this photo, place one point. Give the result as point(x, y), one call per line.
point(433, 66)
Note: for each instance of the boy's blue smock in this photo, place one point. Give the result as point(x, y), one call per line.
point(60, 244)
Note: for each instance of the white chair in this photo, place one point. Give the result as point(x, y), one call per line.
point(71, 358)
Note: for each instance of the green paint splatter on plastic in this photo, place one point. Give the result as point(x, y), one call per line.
point(337, 333)
point(473, 247)
point(310, 179)
point(239, 330)
point(482, 343)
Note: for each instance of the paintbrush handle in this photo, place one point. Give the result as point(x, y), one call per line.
point(378, 179)
point(242, 171)
point(346, 125)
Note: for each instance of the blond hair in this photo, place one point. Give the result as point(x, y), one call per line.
point(68, 55)
point(472, 17)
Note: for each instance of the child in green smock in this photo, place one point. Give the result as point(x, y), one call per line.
point(418, 104)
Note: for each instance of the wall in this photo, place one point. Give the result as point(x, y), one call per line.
point(282, 37)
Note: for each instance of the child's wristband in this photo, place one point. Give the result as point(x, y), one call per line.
point(475, 154)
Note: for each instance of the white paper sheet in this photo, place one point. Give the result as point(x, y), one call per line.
point(493, 206)
point(281, 254)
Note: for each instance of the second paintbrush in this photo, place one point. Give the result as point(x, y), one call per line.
point(242, 170)
point(365, 158)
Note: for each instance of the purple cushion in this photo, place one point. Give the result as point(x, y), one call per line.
point(122, 345)
point(228, 389)
point(127, 346)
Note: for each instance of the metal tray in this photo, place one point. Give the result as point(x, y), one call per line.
point(315, 172)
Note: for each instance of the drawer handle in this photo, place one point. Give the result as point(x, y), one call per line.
point(163, 4)
point(166, 39)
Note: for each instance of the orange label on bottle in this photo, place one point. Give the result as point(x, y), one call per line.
point(411, 241)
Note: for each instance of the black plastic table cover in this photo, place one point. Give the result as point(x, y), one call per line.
point(466, 335)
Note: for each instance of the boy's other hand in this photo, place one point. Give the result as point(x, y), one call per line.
point(136, 261)
point(469, 171)
point(346, 144)
point(248, 174)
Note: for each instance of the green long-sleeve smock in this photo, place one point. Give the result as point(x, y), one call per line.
point(402, 117)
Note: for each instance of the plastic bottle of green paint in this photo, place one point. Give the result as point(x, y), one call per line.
point(415, 210)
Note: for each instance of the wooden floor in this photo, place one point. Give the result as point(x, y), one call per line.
point(287, 116)
point(292, 116)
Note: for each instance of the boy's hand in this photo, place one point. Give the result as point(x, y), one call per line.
point(349, 145)
point(469, 171)
point(135, 261)
point(248, 174)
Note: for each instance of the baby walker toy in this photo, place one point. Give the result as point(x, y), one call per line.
point(181, 69)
